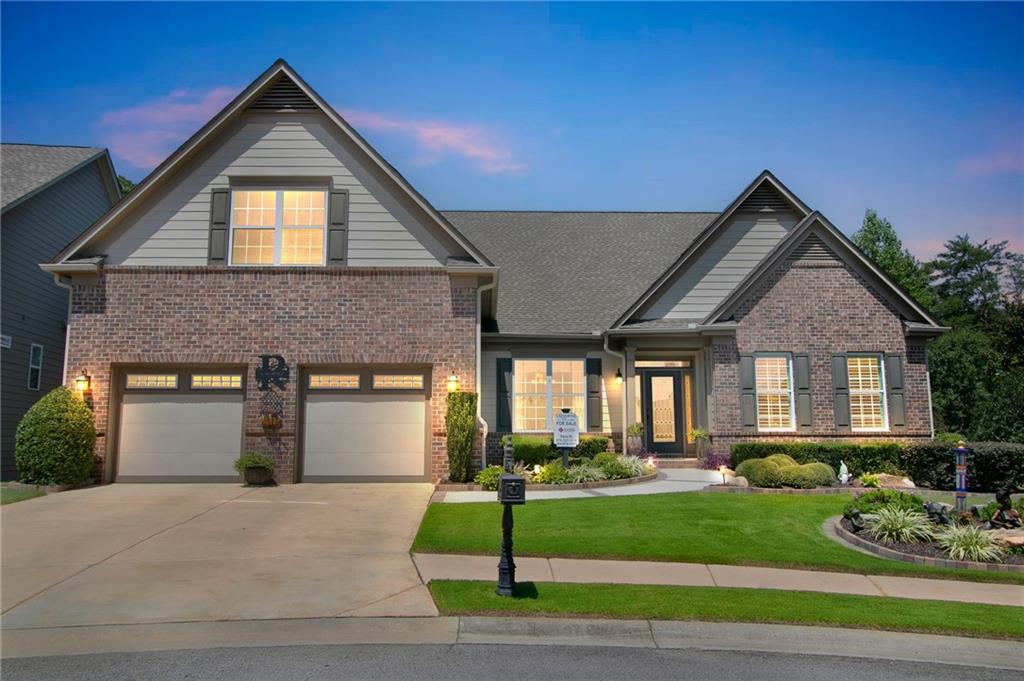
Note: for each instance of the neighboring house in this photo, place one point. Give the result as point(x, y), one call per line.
point(49, 195)
point(277, 230)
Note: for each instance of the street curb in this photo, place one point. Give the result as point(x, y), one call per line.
point(767, 638)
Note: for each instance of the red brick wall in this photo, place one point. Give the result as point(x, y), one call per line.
point(819, 308)
point(310, 316)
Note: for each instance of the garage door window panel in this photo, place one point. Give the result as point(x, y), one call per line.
point(216, 381)
point(334, 381)
point(163, 381)
point(397, 381)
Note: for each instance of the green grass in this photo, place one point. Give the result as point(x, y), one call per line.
point(616, 601)
point(726, 529)
point(11, 495)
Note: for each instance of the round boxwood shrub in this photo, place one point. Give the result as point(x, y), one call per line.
point(781, 460)
point(807, 476)
point(54, 442)
point(760, 473)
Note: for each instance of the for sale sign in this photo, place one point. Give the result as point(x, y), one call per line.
point(567, 430)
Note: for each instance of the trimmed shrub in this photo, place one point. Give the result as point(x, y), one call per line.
point(460, 424)
point(585, 472)
point(533, 449)
point(552, 474)
point(253, 460)
point(884, 457)
point(760, 473)
point(807, 476)
point(899, 525)
point(488, 477)
point(990, 465)
point(870, 502)
point(590, 446)
point(54, 442)
point(781, 460)
point(605, 457)
point(968, 542)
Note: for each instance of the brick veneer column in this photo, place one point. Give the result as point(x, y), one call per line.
point(819, 308)
point(310, 316)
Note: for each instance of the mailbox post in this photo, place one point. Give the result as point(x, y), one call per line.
point(511, 492)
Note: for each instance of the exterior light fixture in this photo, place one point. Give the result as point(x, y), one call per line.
point(453, 383)
point(83, 382)
point(618, 377)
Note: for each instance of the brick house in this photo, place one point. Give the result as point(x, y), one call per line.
point(276, 286)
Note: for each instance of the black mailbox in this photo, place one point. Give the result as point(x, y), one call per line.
point(512, 489)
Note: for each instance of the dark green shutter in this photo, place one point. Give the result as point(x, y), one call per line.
point(220, 200)
point(802, 379)
point(894, 387)
point(748, 399)
point(337, 226)
point(841, 392)
point(503, 396)
point(594, 422)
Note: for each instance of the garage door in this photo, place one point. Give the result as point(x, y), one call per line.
point(183, 426)
point(374, 429)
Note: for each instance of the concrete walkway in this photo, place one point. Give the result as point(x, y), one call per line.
point(669, 480)
point(437, 566)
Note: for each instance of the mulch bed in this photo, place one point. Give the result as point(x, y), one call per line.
point(928, 550)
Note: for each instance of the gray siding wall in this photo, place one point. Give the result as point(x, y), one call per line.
point(34, 309)
point(172, 229)
point(737, 249)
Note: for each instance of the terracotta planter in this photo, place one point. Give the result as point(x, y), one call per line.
point(258, 476)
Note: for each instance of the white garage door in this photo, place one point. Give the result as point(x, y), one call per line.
point(364, 435)
point(179, 436)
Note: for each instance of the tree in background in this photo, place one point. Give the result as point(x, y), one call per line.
point(877, 239)
point(126, 184)
point(969, 280)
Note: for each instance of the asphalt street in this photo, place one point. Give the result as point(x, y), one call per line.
point(476, 662)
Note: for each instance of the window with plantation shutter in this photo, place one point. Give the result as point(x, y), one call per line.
point(774, 390)
point(867, 393)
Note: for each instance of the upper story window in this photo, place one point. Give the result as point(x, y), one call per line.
point(35, 367)
point(774, 390)
point(543, 387)
point(278, 227)
point(867, 393)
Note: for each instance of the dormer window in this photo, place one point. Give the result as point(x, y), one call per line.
point(278, 227)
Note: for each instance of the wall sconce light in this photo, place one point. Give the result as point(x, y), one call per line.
point(618, 377)
point(453, 383)
point(83, 382)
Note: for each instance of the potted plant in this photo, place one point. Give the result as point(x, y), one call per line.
point(702, 438)
point(635, 438)
point(257, 469)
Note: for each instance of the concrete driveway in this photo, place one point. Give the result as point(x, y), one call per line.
point(123, 554)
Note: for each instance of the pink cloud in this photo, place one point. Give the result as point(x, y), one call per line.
point(1006, 158)
point(435, 139)
point(145, 134)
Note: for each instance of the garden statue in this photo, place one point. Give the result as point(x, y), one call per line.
point(844, 472)
point(857, 522)
point(1006, 516)
point(938, 513)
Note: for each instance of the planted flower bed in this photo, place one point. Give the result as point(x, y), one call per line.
point(901, 523)
point(600, 470)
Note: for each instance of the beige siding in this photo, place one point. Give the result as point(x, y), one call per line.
point(173, 228)
point(737, 249)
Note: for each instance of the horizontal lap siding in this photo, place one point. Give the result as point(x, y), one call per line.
point(721, 267)
point(174, 229)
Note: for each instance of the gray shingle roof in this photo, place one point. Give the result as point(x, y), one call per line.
point(25, 168)
point(575, 272)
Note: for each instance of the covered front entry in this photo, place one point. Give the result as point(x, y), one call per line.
point(365, 424)
point(179, 425)
point(665, 391)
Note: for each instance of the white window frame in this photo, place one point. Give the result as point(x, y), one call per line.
point(38, 367)
point(878, 357)
point(278, 226)
point(792, 396)
point(549, 399)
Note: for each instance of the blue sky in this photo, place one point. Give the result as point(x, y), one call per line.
point(915, 110)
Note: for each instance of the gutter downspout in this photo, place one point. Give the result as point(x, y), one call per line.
point(625, 380)
point(484, 427)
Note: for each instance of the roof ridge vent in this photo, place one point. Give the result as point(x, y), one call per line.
point(283, 95)
point(764, 199)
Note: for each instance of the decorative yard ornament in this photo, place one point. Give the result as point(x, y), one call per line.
point(938, 513)
point(273, 371)
point(1006, 516)
point(960, 453)
point(844, 472)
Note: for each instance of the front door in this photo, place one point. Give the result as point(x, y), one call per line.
point(663, 411)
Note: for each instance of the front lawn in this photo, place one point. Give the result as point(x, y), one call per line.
point(618, 601)
point(10, 495)
point(778, 530)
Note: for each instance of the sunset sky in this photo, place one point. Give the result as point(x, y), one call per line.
point(914, 110)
